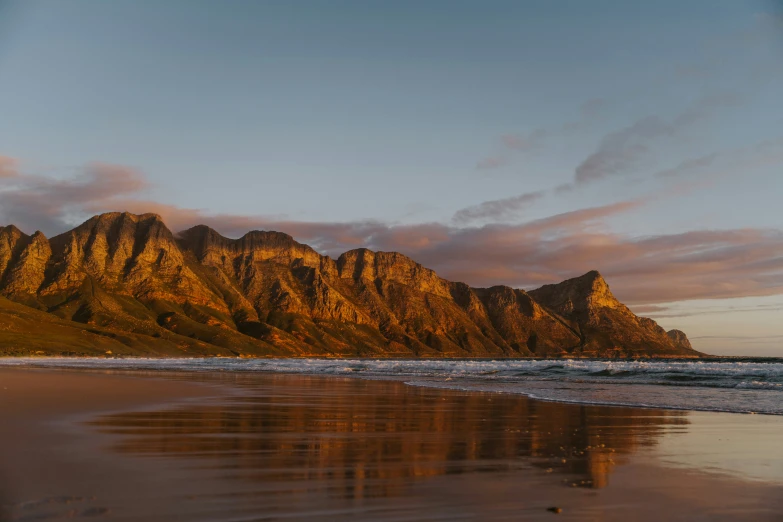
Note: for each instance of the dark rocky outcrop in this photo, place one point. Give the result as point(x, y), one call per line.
point(267, 294)
point(680, 339)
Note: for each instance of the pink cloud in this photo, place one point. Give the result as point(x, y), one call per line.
point(8, 167)
point(698, 264)
point(37, 202)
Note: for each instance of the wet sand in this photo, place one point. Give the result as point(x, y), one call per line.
point(244, 447)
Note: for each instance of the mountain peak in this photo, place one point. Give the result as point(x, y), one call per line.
point(265, 293)
point(592, 279)
point(198, 238)
point(601, 294)
point(580, 295)
point(211, 248)
point(680, 339)
point(271, 236)
point(129, 215)
point(110, 217)
point(12, 229)
point(592, 274)
point(200, 233)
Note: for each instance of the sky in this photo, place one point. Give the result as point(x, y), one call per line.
point(497, 142)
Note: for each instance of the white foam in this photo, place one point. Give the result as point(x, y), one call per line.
point(738, 386)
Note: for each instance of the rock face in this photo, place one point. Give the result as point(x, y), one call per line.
point(680, 339)
point(266, 294)
point(606, 327)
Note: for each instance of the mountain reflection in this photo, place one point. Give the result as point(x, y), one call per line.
point(359, 439)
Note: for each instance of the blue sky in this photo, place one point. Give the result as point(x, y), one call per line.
point(376, 123)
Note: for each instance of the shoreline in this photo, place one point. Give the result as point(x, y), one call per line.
point(522, 377)
point(607, 404)
point(177, 442)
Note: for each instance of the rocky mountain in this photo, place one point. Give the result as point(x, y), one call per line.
point(680, 339)
point(124, 284)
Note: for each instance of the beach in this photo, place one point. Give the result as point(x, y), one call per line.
point(143, 445)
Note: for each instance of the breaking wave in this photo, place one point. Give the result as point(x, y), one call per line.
point(752, 385)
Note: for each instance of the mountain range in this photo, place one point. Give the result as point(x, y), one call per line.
point(124, 284)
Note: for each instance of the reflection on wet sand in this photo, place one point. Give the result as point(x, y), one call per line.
point(355, 439)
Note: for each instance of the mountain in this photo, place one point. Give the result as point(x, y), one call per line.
point(123, 283)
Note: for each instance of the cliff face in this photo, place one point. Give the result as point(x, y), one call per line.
point(128, 255)
point(606, 326)
point(680, 339)
point(12, 242)
point(266, 294)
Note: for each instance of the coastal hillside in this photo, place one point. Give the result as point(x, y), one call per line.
point(125, 284)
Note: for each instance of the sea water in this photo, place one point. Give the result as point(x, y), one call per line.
point(737, 385)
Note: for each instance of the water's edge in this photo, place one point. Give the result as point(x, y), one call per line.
point(735, 385)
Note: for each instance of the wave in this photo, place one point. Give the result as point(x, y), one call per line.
point(737, 385)
point(600, 402)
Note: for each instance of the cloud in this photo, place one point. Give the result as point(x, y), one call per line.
point(509, 209)
point(8, 167)
point(513, 143)
point(590, 111)
point(41, 203)
point(497, 210)
point(670, 313)
point(729, 163)
point(534, 140)
point(689, 165)
point(625, 150)
point(649, 309)
point(650, 270)
point(704, 107)
point(659, 269)
point(622, 150)
point(327, 237)
point(726, 163)
point(740, 337)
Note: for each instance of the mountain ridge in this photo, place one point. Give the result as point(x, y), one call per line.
point(265, 294)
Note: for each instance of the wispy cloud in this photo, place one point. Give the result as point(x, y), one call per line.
point(649, 309)
point(512, 144)
point(717, 165)
point(668, 312)
point(623, 151)
point(741, 337)
point(497, 210)
point(689, 165)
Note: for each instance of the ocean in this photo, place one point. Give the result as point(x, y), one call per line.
point(734, 385)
